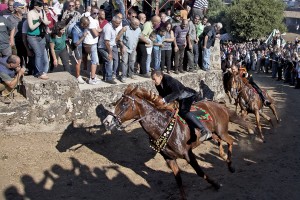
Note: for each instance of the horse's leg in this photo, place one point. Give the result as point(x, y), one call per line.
point(228, 139)
point(176, 171)
point(266, 117)
point(193, 162)
point(272, 107)
point(221, 149)
point(229, 97)
point(257, 117)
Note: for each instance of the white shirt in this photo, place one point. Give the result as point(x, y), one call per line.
point(89, 39)
point(108, 34)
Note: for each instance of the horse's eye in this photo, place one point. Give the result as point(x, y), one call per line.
point(124, 104)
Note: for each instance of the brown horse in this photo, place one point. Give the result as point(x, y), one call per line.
point(169, 134)
point(250, 101)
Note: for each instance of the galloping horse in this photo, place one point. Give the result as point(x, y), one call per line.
point(250, 101)
point(169, 133)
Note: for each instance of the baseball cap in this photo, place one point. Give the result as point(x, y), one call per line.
point(18, 4)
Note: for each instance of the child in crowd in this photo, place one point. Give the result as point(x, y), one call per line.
point(149, 47)
point(157, 44)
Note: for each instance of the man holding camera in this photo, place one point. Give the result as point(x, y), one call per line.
point(10, 74)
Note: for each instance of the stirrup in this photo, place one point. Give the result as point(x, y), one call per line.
point(206, 136)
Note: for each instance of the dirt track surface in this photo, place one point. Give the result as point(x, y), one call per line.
point(90, 164)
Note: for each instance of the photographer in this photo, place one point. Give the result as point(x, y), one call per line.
point(10, 74)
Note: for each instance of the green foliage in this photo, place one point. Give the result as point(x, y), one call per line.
point(247, 19)
point(216, 11)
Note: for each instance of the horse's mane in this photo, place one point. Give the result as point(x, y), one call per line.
point(154, 99)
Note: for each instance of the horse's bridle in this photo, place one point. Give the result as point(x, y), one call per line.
point(117, 117)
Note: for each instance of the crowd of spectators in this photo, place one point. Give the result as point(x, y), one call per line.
point(279, 59)
point(118, 45)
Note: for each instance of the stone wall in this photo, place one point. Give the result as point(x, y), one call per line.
point(61, 101)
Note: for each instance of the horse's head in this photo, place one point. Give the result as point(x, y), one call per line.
point(126, 108)
point(235, 84)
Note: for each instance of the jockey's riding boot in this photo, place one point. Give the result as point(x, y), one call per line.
point(205, 132)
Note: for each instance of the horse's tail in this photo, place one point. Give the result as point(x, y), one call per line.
point(235, 118)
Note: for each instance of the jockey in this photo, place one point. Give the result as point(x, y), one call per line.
point(171, 89)
point(248, 78)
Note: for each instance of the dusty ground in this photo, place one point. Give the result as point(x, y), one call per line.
point(84, 164)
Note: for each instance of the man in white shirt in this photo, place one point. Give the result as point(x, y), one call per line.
point(90, 44)
point(108, 49)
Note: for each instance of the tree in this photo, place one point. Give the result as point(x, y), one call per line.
point(216, 11)
point(248, 19)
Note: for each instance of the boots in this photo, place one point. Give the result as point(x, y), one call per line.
point(205, 133)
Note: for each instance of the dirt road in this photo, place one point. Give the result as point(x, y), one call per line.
point(90, 164)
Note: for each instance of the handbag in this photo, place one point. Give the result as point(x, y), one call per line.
point(87, 48)
point(43, 28)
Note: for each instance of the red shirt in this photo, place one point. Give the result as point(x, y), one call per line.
point(51, 20)
point(104, 22)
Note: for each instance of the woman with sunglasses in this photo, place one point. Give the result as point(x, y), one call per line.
point(36, 18)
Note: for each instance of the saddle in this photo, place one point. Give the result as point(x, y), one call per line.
point(200, 113)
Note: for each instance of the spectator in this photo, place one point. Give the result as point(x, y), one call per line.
point(149, 47)
point(157, 45)
point(209, 36)
point(87, 12)
point(79, 32)
point(101, 18)
point(131, 14)
point(16, 19)
point(86, 3)
point(142, 18)
point(70, 15)
point(176, 20)
point(149, 26)
point(128, 43)
point(90, 45)
point(199, 8)
point(35, 18)
point(180, 34)
point(58, 47)
point(106, 46)
point(166, 50)
point(10, 9)
point(192, 47)
point(10, 75)
point(6, 37)
point(118, 5)
point(78, 7)
point(29, 61)
point(3, 5)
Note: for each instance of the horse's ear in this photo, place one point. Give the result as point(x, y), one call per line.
point(135, 89)
point(128, 89)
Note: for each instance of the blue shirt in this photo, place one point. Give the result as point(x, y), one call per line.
point(6, 74)
point(130, 38)
point(159, 39)
point(77, 33)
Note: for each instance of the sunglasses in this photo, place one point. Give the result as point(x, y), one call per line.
point(95, 13)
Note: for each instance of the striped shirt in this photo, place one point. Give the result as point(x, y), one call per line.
point(201, 4)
